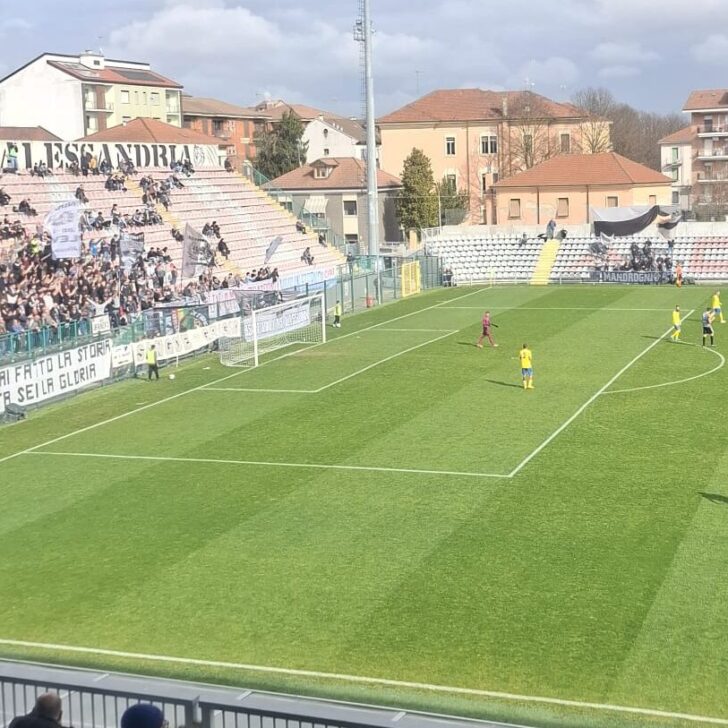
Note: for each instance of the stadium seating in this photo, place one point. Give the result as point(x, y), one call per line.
point(499, 258)
point(248, 218)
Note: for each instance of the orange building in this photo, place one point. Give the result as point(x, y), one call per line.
point(566, 187)
point(234, 126)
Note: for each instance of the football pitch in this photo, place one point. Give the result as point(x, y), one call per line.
point(389, 517)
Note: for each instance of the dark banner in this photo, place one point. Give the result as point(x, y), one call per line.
point(628, 226)
point(131, 248)
point(196, 253)
point(627, 276)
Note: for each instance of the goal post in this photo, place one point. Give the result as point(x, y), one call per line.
point(266, 329)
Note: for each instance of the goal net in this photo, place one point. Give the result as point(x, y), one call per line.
point(265, 329)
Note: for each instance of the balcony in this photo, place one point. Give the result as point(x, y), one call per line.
point(713, 154)
point(93, 105)
point(712, 131)
point(712, 176)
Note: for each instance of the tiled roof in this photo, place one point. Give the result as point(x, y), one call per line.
point(348, 174)
point(27, 134)
point(568, 170)
point(474, 104)
point(125, 76)
point(199, 106)
point(276, 109)
point(682, 136)
point(151, 131)
point(706, 99)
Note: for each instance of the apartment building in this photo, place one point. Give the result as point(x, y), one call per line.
point(73, 96)
point(235, 126)
point(476, 137)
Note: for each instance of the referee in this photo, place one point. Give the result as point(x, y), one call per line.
point(152, 365)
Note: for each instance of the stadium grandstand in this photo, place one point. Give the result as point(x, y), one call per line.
point(477, 256)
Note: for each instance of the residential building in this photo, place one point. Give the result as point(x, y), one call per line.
point(327, 134)
point(475, 137)
point(73, 96)
point(234, 126)
point(676, 161)
point(704, 179)
point(333, 189)
point(566, 187)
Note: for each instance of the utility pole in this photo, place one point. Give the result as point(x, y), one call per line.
point(363, 34)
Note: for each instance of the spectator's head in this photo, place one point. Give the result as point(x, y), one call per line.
point(142, 715)
point(48, 705)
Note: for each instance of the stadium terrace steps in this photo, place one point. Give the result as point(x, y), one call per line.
point(546, 260)
point(249, 218)
point(500, 258)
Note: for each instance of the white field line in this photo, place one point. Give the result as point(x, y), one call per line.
point(718, 366)
point(591, 399)
point(554, 308)
point(225, 378)
point(263, 463)
point(426, 331)
point(384, 361)
point(450, 332)
point(360, 679)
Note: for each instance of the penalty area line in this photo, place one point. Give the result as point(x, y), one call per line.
point(366, 680)
point(675, 382)
point(591, 399)
point(173, 397)
point(266, 463)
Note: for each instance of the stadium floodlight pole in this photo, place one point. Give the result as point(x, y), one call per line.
point(372, 192)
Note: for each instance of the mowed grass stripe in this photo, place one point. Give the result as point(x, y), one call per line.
point(541, 587)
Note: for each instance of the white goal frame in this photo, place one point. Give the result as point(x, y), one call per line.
point(266, 329)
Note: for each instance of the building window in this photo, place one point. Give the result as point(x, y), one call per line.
point(675, 154)
point(565, 143)
point(351, 239)
point(144, 97)
point(136, 97)
point(320, 172)
point(527, 147)
point(562, 207)
point(124, 97)
point(488, 144)
point(326, 133)
point(708, 123)
point(483, 183)
point(674, 173)
point(612, 201)
point(675, 197)
point(652, 199)
point(125, 119)
point(514, 209)
point(154, 98)
point(495, 177)
point(350, 208)
point(450, 146)
point(451, 180)
point(327, 151)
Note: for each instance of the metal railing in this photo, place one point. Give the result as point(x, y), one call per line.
point(93, 699)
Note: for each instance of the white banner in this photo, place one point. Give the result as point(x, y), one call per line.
point(271, 323)
point(30, 382)
point(100, 324)
point(174, 345)
point(61, 223)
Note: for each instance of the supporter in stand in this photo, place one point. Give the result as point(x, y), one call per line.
point(4, 197)
point(25, 208)
point(81, 195)
point(46, 713)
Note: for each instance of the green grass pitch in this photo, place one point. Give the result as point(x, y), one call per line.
point(456, 544)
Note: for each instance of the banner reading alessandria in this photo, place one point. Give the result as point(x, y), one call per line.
point(31, 382)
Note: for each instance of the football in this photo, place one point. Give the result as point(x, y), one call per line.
point(171, 376)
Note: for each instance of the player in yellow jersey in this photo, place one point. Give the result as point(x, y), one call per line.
point(676, 324)
point(715, 305)
point(526, 357)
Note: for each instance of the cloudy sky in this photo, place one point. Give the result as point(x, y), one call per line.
point(650, 53)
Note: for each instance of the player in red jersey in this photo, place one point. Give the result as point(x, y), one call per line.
point(487, 323)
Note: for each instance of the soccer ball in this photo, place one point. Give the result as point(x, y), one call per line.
point(171, 376)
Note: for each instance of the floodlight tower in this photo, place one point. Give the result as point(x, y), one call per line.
point(363, 35)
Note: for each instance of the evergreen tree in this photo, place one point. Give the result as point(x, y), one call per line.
point(417, 202)
point(453, 204)
point(281, 148)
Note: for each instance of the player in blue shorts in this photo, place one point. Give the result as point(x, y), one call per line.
point(526, 357)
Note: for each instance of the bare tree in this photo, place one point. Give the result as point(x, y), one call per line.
point(634, 134)
point(529, 139)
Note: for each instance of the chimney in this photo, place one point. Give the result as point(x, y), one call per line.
point(92, 59)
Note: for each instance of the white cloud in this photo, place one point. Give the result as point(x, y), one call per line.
point(619, 71)
point(12, 25)
point(545, 75)
point(612, 53)
point(714, 49)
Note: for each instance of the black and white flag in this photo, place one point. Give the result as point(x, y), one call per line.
point(270, 251)
point(196, 253)
point(61, 223)
point(131, 248)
